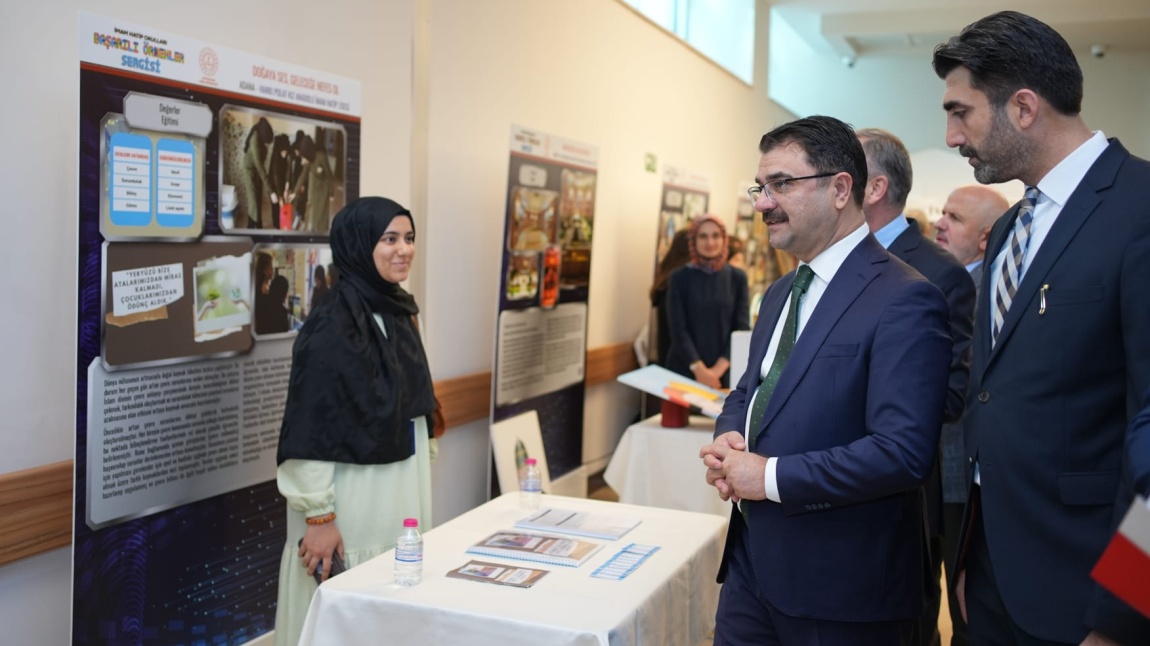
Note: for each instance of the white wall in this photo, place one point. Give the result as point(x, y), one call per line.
point(596, 72)
point(903, 95)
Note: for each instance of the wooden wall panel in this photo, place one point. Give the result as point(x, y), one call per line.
point(36, 504)
point(610, 361)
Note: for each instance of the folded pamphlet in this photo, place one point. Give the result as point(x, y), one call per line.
point(579, 523)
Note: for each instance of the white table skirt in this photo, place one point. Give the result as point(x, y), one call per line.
point(670, 599)
point(660, 467)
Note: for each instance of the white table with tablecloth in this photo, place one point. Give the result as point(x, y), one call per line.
point(669, 600)
point(660, 467)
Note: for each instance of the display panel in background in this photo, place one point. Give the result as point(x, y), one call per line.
point(541, 332)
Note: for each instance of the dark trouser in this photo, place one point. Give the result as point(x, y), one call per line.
point(990, 623)
point(951, 526)
point(926, 627)
point(746, 618)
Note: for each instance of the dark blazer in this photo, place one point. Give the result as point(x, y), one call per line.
point(703, 309)
point(1138, 445)
point(955, 469)
point(1049, 405)
point(855, 418)
point(954, 281)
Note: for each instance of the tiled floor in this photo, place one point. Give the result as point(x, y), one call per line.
point(600, 491)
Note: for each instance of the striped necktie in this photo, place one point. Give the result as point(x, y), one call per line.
point(1011, 275)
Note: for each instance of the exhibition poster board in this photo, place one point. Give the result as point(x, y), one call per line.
point(685, 195)
point(763, 263)
point(541, 332)
point(207, 182)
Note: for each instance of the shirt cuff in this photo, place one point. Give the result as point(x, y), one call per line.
point(307, 485)
point(770, 481)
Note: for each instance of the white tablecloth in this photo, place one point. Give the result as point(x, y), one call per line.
point(670, 599)
point(660, 467)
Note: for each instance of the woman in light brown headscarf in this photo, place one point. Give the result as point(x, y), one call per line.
point(707, 301)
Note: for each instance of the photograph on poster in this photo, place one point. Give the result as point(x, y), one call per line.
point(523, 279)
point(577, 209)
point(694, 204)
point(222, 288)
point(151, 182)
point(670, 222)
point(280, 173)
point(156, 297)
point(576, 226)
point(533, 219)
point(289, 282)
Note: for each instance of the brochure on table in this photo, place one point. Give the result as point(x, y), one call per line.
point(536, 547)
point(579, 523)
point(497, 573)
point(676, 388)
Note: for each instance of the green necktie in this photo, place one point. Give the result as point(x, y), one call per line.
point(782, 353)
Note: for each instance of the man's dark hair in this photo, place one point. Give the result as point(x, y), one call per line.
point(831, 146)
point(1008, 51)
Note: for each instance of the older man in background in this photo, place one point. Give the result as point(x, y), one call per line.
point(967, 216)
point(889, 179)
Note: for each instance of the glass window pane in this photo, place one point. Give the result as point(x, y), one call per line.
point(724, 30)
point(660, 12)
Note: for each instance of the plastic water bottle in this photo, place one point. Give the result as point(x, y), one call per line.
point(531, 486)
point(409, 554)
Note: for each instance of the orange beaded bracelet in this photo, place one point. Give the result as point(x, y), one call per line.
point(321, 520)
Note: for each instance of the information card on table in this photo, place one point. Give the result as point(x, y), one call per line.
point(624, 562)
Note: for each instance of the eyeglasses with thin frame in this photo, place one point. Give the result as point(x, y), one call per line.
point(782, 185)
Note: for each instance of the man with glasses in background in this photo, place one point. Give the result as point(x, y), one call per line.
point(825, 441)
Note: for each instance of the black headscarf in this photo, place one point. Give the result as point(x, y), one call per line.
point(353, 392)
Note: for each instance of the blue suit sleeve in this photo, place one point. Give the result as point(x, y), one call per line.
point(906, 386)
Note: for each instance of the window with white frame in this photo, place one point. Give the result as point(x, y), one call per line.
point(722, 30)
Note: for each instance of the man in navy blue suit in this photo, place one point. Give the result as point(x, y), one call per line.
point(1061, 340)
point(830, 432)
point(889, 178)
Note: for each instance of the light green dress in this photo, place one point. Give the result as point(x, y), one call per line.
point(370, 502)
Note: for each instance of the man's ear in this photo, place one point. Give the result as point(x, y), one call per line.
point(1023, 107)
point(876, 188)
point(983, 236)
point(843, 183)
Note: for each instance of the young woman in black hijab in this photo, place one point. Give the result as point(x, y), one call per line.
point(355, 446)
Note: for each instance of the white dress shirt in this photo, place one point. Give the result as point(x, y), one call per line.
point(1053, 191)
point(824, 265)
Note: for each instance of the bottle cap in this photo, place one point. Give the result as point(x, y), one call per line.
point(531, 462)
point(410, 522)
